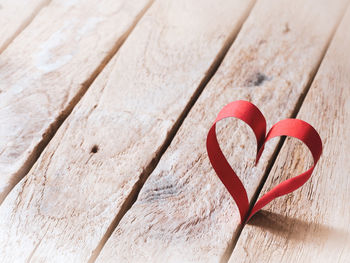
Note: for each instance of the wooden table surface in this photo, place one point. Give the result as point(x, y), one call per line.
point(104, 110)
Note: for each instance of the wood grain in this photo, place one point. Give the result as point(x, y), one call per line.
point(15, 16)
point(311, 224)
point(47, 69)
point(69, 203)
point(183, 212)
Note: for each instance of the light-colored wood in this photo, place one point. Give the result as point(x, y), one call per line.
point(46, 70)
point(311, 224)
point(15, 15)
point(183, 212)
point(68, 204)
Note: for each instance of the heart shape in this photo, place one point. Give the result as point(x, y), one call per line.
point(251, 115)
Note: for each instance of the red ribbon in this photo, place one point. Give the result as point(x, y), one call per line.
point(252, 116)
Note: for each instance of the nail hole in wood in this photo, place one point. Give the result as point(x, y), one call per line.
point(286, 28)
point(94, 149)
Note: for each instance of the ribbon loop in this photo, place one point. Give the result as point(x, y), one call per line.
point(252, 116)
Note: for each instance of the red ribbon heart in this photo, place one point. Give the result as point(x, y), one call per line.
point(252, 116)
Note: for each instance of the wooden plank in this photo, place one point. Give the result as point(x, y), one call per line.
point(15, 16)
point(312, 224)
point(79, 188)
point(183, 212)
point(47, 69)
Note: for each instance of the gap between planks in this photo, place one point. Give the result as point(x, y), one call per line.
point(54, 126)
point(130, 200)
point(226, 256)
point(24, 24)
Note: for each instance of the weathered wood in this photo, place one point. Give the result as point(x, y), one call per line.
point(15, 16)
point(47, 69)
point(311, 224)
point(183, 212)
point(68, 204)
